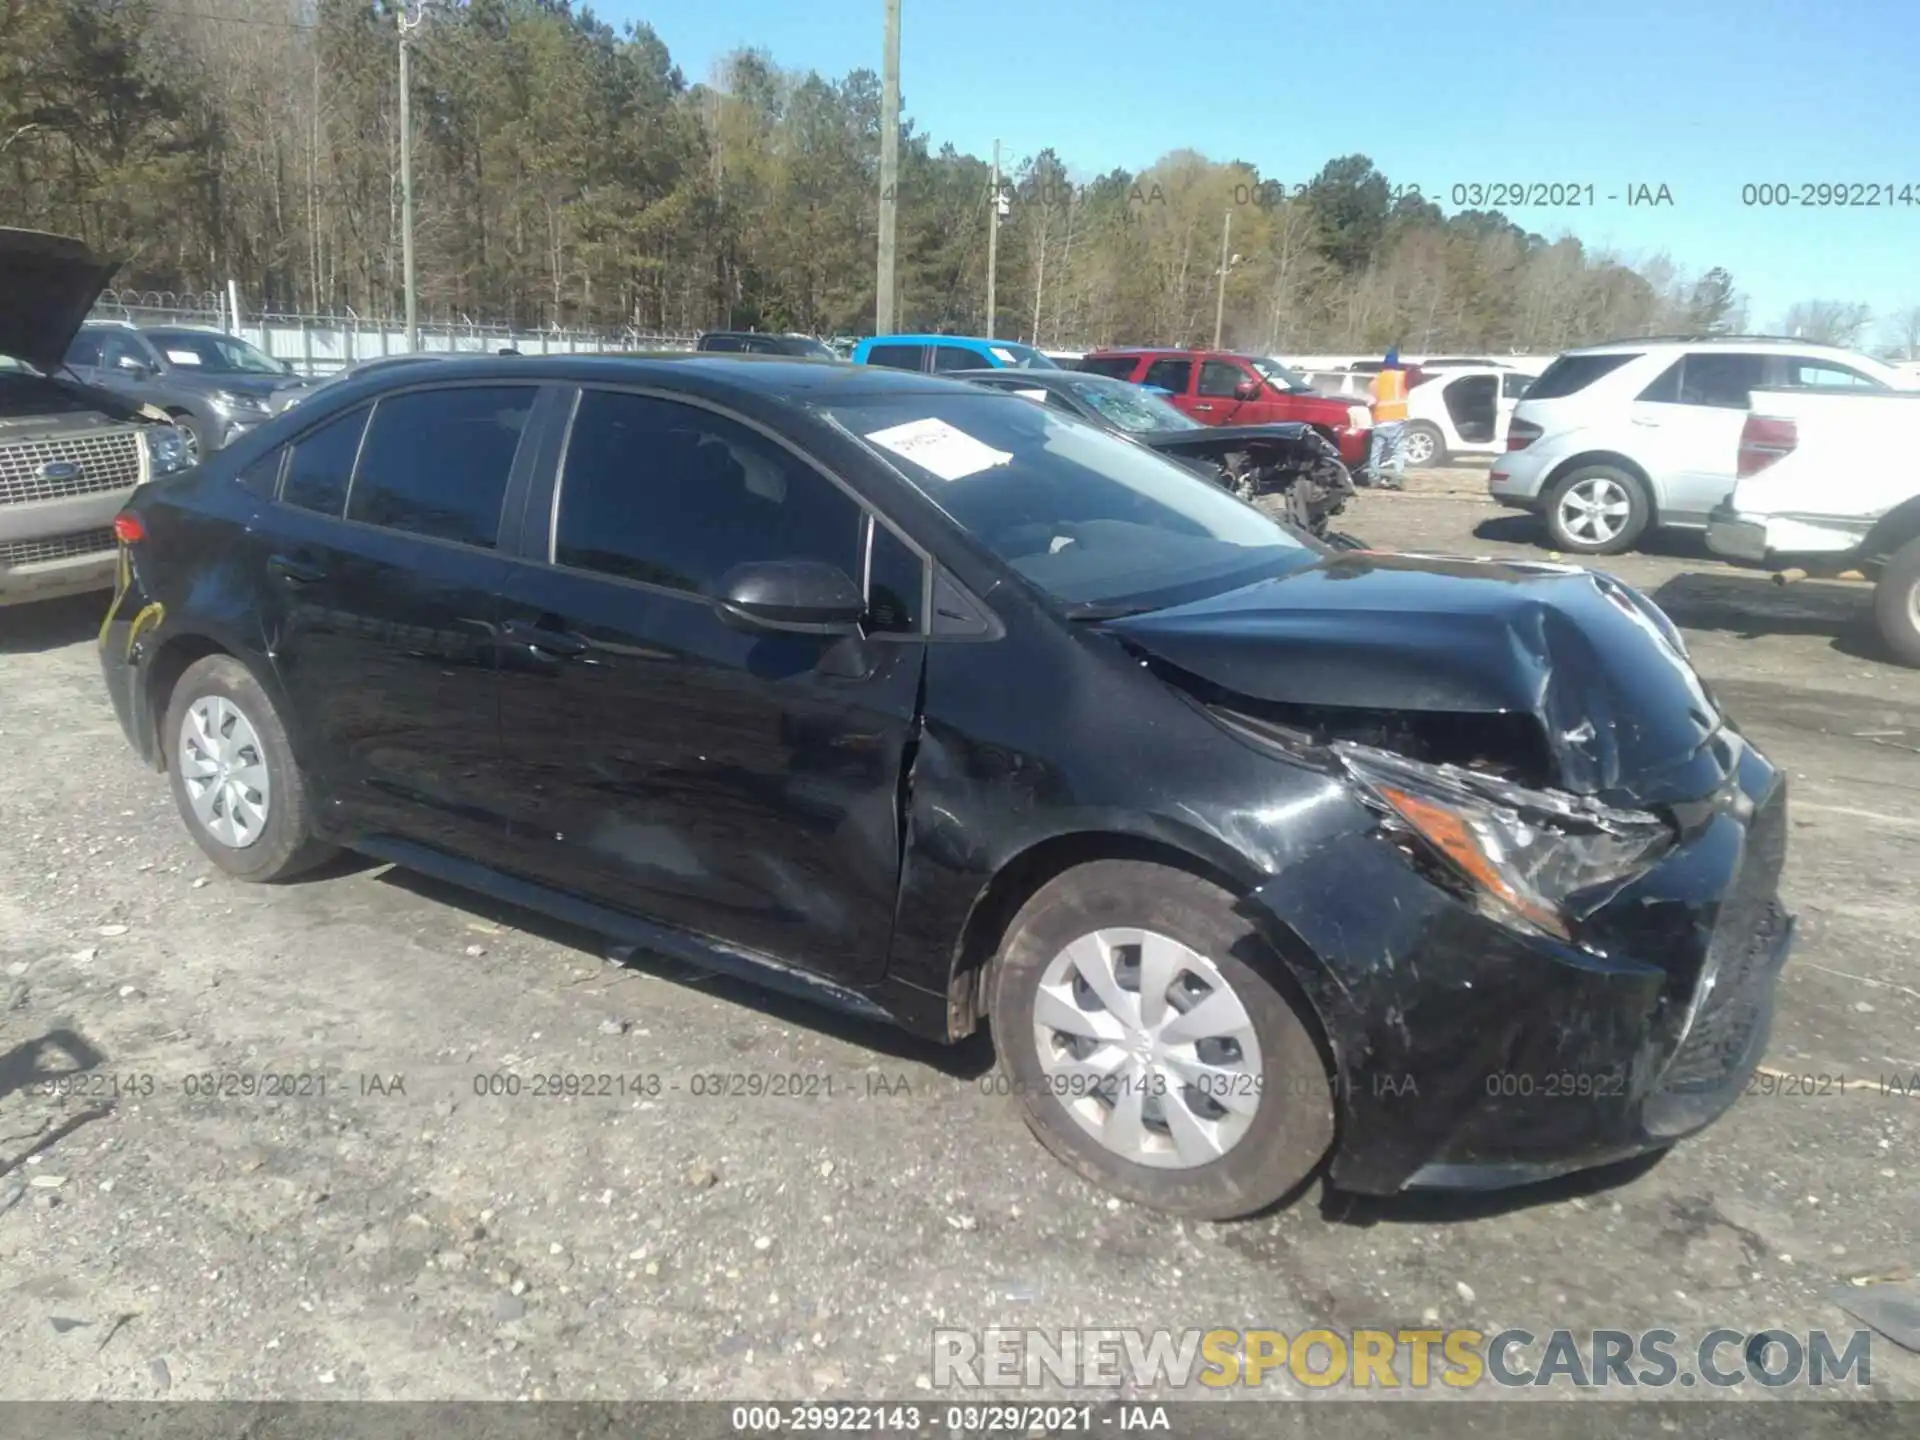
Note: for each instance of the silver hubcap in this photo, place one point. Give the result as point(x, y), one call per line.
point(1147, 1046)
point(1418, 447)
point(225, 771)
point(1595, 510)
point(190, 440)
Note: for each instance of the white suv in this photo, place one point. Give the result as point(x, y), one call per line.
point(1615, 439)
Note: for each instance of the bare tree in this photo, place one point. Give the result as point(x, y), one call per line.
point(1826, 322)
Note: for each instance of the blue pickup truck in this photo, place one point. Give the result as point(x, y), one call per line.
point(948, 352)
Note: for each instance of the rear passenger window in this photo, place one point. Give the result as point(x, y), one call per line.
point(896, 357)
point(895, 581)
point(322, 463)
point(1723, 381)
point(674, 495)
point(1169, 375)
point(436, 462)
point(952, 357)
point(1119, 367)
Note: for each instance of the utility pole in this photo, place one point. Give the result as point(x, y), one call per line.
point(407, 26)
point(993, 242)
point(1220, 301)
point(883, 309)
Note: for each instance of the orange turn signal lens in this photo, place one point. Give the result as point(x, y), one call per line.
point(1456, 841)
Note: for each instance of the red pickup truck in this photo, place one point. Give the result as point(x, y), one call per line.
point(1220, 388)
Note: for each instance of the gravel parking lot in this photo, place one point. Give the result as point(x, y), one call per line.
point(390, 1231)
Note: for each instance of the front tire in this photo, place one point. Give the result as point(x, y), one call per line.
point(1896, 604)
point(1148, 1053)
point(234, 776)
point(1597, 510)
point(190, 436)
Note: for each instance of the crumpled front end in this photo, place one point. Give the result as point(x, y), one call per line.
point(1471, 1053)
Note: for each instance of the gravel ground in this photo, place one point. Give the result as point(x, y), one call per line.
point(387, 1232)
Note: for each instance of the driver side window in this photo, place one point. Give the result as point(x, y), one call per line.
point(675, 495)
point(1221, 378)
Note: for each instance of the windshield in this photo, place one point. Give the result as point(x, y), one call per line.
point(1101, 524)
point(1279, 375)
point(1021, 357)
point(210, 354)
point(1128, 406)
point(815, 349)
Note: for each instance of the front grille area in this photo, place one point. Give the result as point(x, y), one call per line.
point(1737, 977)
point(107, 460)
point(57, 547)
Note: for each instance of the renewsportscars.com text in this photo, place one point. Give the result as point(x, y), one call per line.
point(1457, 1359)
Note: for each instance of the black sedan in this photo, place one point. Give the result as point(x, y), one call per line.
point(1290, 470)
point(949, 708)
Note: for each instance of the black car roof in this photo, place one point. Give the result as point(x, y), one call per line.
point(767, 379)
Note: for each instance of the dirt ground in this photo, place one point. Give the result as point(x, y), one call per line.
point(390, 1232)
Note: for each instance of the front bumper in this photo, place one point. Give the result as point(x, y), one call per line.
point(1467, 1054)
point(54, 548)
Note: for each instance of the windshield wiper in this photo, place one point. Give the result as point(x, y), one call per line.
point(1096, 610)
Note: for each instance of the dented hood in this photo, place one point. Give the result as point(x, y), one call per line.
point(1594, 662)
point(1288, 435)
point(48, 283)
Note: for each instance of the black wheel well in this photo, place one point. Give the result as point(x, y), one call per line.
point(163, 674)
point(1892, 531)
point(1611, 458)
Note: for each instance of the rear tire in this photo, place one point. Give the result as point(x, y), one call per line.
point(1422, 446)
point(1597, 510)
point(234, 776)
point(1201, 1091)
point(1896, 604)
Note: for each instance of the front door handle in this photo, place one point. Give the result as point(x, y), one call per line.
point(295, 572)
point(563, 644)
point(1203, 407)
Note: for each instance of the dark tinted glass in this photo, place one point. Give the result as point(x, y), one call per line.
point(1665, 390)
point(436, 461)
point(1169, 375)
point(895, 580)
point(85, 350)
point(1217, 377)
point(720, 342)
point(675, 495)
point(896, 357)
point(262, 477)
point(952, 357)
point(1119, 367)
point(1718, 379)
point(1571, 374)
point(322, 462)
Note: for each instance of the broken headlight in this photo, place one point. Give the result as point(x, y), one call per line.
point(1540, 858)
point(167, 451)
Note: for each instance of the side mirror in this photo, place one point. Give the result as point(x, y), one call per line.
point(1247, 390)
point(799, 597)
point(134, 367)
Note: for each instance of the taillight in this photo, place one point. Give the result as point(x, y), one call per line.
point(1764, 439)
point(1522, 433)
point(127, 528)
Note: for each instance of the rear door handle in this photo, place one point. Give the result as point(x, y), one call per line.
point(1203, 407)
point(295, 572)
point(561, 643)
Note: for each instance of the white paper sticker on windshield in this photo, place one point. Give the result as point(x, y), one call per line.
point(936, 446)
point(1039, 395)
point(1005, 357)
point(183, 357)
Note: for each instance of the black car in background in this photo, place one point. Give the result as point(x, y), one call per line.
point(950, 708)
point(756, 342)
point(1287, 469)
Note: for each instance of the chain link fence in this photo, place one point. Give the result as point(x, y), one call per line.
point(323, 344)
